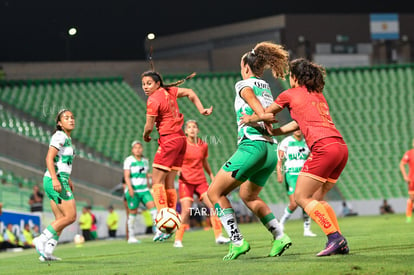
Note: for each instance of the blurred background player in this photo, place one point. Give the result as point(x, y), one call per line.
point(36, 200)
point(193, 181)
point(255, 159)
point(408, 160)
point(292, 154)
point(329, 152)
point(386, 208)
point(112, 222)
point(163, 112)
point(26, 237)
point(94, 226)
point(57, 185)
point(85, 224)
point(136, 177)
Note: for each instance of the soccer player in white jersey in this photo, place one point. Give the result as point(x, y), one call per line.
point(256, 158)
point(292, 154)
point(58, 185)
point(136, 177)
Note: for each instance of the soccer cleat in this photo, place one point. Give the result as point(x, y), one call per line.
point(158, 237)
point(166, 236)
point(409, 219)
point(337, 246)
point(235, 251)
point(280, 245)
point(133, 240)
point(178, 244)
point(344, 250)
point(222, 240)
point(40, 246)
point(308, 233)
point(49, 258)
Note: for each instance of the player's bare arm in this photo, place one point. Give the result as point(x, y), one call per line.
point(192, 96)
point(149, 126)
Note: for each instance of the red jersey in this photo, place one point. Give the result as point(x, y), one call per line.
point(163, 104)
point(408, 158)
point(192, 171)
point(310, 111)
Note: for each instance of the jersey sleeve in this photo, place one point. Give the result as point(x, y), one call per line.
point(152, 107)
point(283, 145)
point(283, 99)
point(242, 84)
point(406, 158)
point(57, 140)
point(127, 164)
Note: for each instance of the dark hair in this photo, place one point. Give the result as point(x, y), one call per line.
point(267, 55)
point(158, 78)
point(308, 74)
point(58, 117)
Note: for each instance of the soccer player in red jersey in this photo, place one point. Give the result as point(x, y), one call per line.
point(408, 159)
point(329, 152)
point(163, 112)
point(193, 181)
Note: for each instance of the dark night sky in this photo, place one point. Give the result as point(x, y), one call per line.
point(35, 30)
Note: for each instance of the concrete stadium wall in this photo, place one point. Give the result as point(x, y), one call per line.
point(32, 153)
point(129, 70)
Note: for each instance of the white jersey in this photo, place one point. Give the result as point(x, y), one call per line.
point(139, 170)
point(64, 158)
point(295, 154)
point(262, 91)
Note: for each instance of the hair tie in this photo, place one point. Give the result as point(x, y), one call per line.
point(253, 52)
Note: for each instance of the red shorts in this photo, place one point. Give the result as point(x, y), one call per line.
point(327, 159)
point(186, 191)
point(171, 151)
point(411, 187)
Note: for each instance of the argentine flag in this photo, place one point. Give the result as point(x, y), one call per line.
point(384, 26)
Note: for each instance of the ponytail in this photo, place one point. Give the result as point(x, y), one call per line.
point(267, 55)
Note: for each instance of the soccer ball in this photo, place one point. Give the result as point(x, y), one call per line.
point(78, 239)
point(168, 220)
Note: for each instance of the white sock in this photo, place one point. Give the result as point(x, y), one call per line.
point(306, 222)
point(274, 227)
point(50, 246)
point(131, 225)
point(45, 236)
point(153, 212)
point(286, 215)
point(229, 222)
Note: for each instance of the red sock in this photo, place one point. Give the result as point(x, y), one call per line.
point(171, 198)
point(180, 232)
point(409, 210)
point(319, 214)
point(216, 224)
point(160, 196)
point(331, 214)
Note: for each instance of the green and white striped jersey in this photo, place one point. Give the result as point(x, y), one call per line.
point(295, 154)
point(139, 170)
point(262, 91)
point(66, 152)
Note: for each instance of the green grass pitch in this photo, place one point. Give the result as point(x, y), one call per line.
point(378, 245)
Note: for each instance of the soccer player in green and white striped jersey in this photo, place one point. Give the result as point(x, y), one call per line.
point(255, 159)
point(58, 185)
point(136, 168)
point(292, 154)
